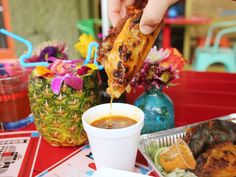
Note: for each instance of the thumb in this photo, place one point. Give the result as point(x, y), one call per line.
point(153, 13)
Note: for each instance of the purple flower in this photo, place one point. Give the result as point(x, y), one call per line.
point(154, 75)
point(51, 51)
point(47, 50)
point(160, 68)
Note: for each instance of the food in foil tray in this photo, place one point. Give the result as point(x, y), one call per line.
point(207, 150)
point(205, 135)
point(213, 146)
point(177, 155)
point(218, 161)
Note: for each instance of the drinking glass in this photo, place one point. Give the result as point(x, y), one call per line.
point(14, 101)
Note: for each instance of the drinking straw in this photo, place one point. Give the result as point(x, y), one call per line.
point(91, 45)
point(105, 18)
point(29, 52)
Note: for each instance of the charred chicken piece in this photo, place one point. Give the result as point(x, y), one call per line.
point(206, 135)
point(197, 138)
point(218, 161)
point(124, 50)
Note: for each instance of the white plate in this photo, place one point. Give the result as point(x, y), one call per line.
point(109, 172)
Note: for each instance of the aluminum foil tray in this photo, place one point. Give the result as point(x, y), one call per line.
point(151, 141)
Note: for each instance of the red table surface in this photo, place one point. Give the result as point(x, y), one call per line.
point(49, 155)
point(199, 96)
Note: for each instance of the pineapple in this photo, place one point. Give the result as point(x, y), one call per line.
point(58, 117)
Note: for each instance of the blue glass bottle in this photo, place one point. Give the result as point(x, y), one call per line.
point(158, 109)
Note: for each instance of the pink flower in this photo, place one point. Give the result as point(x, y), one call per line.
point(70, 80)
point(61, 67)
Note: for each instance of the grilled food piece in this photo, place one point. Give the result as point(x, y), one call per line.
point(124, 50)
point(203, 136)
point(218, 161)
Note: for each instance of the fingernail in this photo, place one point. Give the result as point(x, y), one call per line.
point(146, 30)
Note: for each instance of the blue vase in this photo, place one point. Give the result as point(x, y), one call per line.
point(158, 109)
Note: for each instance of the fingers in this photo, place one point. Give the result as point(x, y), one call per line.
point(114, 7)
point(117, 9)
point(153, 14)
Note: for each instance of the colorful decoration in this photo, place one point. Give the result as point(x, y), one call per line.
point(70, 80)
point(42, 71)
point(160, 68)
point(82, 45)
point(29, 52)
point(71, 72)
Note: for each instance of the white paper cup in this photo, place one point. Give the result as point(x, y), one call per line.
point(114, 148)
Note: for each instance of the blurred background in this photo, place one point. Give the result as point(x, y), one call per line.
point(187, 24)
point(42, 20)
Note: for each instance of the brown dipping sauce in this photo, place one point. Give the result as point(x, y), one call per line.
point(113, 122)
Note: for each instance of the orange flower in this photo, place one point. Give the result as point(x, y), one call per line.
point(175, 59)
point(42, 71)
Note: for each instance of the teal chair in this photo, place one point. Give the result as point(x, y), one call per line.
point(88, 26)
point(208, 55)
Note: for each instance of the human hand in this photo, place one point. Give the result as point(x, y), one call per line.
point(153, 13)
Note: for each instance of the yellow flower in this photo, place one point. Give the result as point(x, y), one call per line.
point(42, 71)
point(92, 66)
point(165, 77)
point(82, 45)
